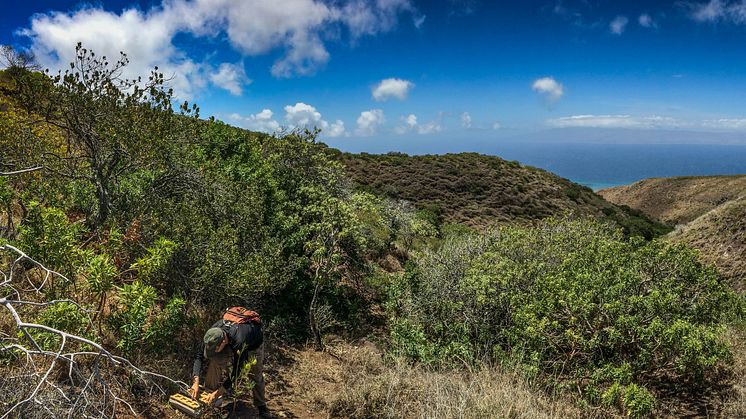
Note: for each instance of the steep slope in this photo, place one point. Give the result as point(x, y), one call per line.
point(710, 213)
point(480, 190)
point(720, 235)
point(678, 200)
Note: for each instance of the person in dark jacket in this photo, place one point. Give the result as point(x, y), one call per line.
point(225, 345)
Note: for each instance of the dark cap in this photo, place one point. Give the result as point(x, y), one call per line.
point(213, 337)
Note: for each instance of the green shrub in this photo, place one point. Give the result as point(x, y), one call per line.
point(63, 316)
point(574, 301)
point(50, 238)
point(155, 262)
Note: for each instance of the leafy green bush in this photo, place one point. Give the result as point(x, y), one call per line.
point(574, 301)
point(140, 321)
point(47, 234)
point(63, 316)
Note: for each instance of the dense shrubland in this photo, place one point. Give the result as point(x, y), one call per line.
point(577, 304)
point(480, 191)
point(154, 220)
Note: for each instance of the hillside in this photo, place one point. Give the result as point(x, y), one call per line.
point(480, 190)
point(710, 212)
point(677, 200)
point(720, 235)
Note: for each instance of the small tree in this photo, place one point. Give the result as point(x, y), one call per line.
point(112, 125)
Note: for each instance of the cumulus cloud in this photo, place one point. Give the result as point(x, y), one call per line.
point(549, 88)
point(410, 124)
point(302, 115)
point(646, 21)
point(466, 120)
point(336, 129)
point(392, 88)
point(615, 121)
point(231, 77)
point(719, 10)
point(262, 121)
point(299, 31)
point(618, 25)
point(369, 121)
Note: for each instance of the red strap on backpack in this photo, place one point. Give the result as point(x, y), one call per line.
point(241, 315)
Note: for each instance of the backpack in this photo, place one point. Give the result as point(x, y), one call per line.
point(240, 315)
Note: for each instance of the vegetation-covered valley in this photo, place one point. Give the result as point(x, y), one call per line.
point(430, 286)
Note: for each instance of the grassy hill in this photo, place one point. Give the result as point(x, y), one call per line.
point(480, 190)
point(720, 235)
point(678, 200)
point(710, 213)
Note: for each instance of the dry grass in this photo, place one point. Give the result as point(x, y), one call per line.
point(720, 236)
point(734, 403)
point(357, 383)
point(677, 200)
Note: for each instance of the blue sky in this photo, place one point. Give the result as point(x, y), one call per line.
point(398, 71)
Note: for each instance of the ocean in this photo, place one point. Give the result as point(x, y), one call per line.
point(601, 166)
point(594, 164)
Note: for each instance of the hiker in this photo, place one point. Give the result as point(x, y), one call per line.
point(233, 340)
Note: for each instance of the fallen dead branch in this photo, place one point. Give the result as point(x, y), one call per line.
point(78, 377)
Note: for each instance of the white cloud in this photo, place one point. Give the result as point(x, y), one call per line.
point(735, 124)
point(615, 121)
point(618, 25)
point(646, 21)
point(261, 121)
point(392, 88)
point(231, 77)
point(708, 12)
point(336, 129)
point(466, 120)
point(369, 121)
point(549, 88)
point(429, 128)
point(300, 115)
point(362, 19)
point(720, 10)
point(410, 124)
point(298, 30)
point(496, 126)
point(647, 122)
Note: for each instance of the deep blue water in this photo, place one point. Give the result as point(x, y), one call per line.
point(605, 165)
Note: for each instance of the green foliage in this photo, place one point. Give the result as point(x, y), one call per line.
point(574, 301)
point(243, 384)
point(100, 274)
point(63, 316)
point(47, 234)
point(155, 262)
point(141, 323)
point(479, 190)
point(165, 325)
point(135, 301)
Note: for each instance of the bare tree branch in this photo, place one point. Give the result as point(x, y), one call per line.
point(18, 172)
point(90, 386)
